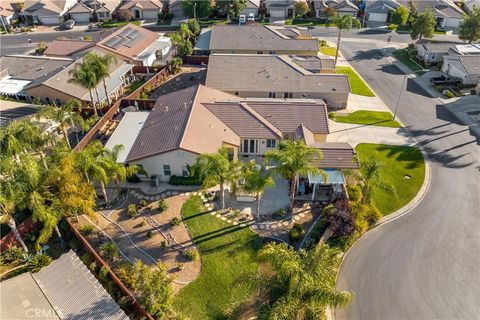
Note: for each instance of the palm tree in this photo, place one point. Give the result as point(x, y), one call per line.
point(217, 169)
point(65, 115)
point(370, 170)
point(292, 159)
point(342, 22)
point(256, 180)
point(101, 67)
point(9, 141)
point(33, 138)
point(301, 282)
point(83, 75)
point(118, 172)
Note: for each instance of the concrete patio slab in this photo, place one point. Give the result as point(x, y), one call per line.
point(356, 102)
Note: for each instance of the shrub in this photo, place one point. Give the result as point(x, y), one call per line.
point(392, 27)
point(439, 88)
point(175, 221)
point(192, 254)
point(92, 266)
point(356, 23)
point(162, 205)
point(184, 181)
point(149, 234)
point(38, 262)
point(163, 244)
point(132, 210)
point(296, 233)
point(133, 179)
point(341, 222)
point(281, 212)
point(139, 225)
point(329, 210)
point(109, 250)
point(322, 43)
point(331, 115)
point(86, 229)
point(169, 16)
point(355, 193)
point(448, 93)
point(86, 258)
point(143, 203)
point(103, 274)
point(12, 254)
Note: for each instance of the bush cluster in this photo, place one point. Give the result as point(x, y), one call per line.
point(192, 254)
point(296, 232)
point(184, 181)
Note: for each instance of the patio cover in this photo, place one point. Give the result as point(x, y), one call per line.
point(335, 176)
point(10, 86)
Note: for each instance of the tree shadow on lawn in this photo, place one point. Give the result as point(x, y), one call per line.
point(405, 154)
point(218, 233)
point(197, 215)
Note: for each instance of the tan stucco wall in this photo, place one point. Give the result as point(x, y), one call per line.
point(320, 137)
point(42, 92)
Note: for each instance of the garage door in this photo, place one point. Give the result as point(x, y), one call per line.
point(380, 17)
point(81, 17)
point(277, 13)
point(452, 22)
point(49, 20)
point(150, 14)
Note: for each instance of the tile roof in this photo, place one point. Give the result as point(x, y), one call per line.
point(268, 73)
point(80, 8)
point(128, 41)
point(438, 46)
point(468, 64)
point(32, 68)
point(67, 47)
point(180, 121)
point(38, 7)
point(143, 4)
point(336, 156)
point(268, 38)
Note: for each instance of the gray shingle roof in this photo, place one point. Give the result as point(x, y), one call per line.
point(268, 38)
point(268, 73)
point(468, 64)
point(32, 68)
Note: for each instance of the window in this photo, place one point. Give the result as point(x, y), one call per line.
point(58, 102)
point(288, 95)
point(166, 170)
point(271, 94)
point(272, 52)
point(433, 56)
point(259, 52)
point(185, 172)
point(47, 100)
point(236, 93)
point(249, 146)
point(271, 143)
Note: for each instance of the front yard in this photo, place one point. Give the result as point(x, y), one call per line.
point(329, 51)
point(403, 55)
point(226, 252)
point(357, 85)
point(402, 167)
point(367, 117)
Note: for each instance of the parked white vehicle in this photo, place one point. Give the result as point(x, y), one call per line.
point(242, 19)
point(251, 17)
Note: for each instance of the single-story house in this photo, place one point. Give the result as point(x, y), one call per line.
point(141, 9)
point(48, 12)
point(280, 10)
point(65, 289)
point(468, 5)
point(465, 67)
point(447, 14)
point(251, 7)
point(257, 40)
point(277, 76)
point(342, 7)
point(136, 45)
point(68, 48)
point(93, 10)
point(57, 89)
point(433, 52)
point(6, 16)
point(13, 111)
point(380, 11)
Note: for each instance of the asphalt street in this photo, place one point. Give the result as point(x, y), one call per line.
point(426, 264)
point(18, 43)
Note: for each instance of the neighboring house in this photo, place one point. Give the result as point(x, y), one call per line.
point(431, 52)
point(57, 89)
point(6, 16)
point(65, 289)
point(280, 9)
point(256, 39)
point(68, 48)
point(342, 7)
point(447, 14)
point(251, 6)
point(18, 72)
point(93, 10)
point(468, 5)
point(81, 13)
point(11, 111)
point(141, 9)
point(48, 12)
point(273, 76)
point(465, 67)
point(136, 45)
point(198, 119)
point(380, 11)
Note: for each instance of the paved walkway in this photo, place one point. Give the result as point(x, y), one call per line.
point(356, 102)
point(357, 133)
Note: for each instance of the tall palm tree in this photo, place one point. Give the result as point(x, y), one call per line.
point(83, 75)
point(33, 139)
point(342, 22)
point(370, 170)
point(10, 143)
point(256, 181)
point(118, 172)
point(292, 159)
point(217, 169)
point(302, 283)
point(65, 115)
point(101, 67)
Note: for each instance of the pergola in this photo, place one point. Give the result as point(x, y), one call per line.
point(334, 177)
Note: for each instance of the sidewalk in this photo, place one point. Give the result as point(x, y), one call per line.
point(356, 102)
point(358, 133)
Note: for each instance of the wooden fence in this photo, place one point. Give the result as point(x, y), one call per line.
point(139, 308)
point(202, 60)
point(23, 228)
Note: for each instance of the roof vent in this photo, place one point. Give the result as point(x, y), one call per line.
point(185, 105)
point(210, 126)
point(166, 108)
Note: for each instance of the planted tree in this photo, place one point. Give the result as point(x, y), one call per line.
point(217, 169)
point(400, 16)
point(256, 181)
point(301, 9)
point(83, 75)
point(196, 8)
point(343, 22)
point(469, 28)
point(231, 8)
point(301, 283)
point(101, 68)
point(292, 159)
point(370, 170)
point(423, 26)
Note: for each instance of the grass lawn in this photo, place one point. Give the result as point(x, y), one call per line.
point(375, 118)
point(398, 162)
point(114, 24)
point(356, 83)
point(226, 252)
point(305, 22)
point(329, 51)
point(404, 57)
point(134, 86)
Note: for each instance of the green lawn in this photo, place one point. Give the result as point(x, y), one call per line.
point(356, 83)
point(375, 118)
point(114, 24)
point(404, 57)
point(226, 252)
point(398, 162)
point(329, 51)
point(305, 22)
point(134, 86)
